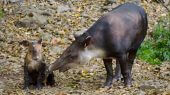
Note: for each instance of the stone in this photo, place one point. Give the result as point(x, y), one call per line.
point(63, 8)
point(49, 27)
point(111, 1)
point(32, 20)
point(2, 85)
point(12, 1)
point(55, 50)
point(141, 93)
point(166, 2)
point(153, 84)
point(46, 36)
point(51, 1)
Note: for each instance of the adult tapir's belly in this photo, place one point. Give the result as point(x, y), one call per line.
point(121, 30)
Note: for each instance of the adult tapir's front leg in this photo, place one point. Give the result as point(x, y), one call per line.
point(109, 70)
point(123, 61)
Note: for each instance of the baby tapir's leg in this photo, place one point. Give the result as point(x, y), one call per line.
point(41, 76)
point(27, 78)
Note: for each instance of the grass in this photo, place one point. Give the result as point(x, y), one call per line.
point(1, 13)
point(156, 49)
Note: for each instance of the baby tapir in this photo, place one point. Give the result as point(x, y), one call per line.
point(118, 34)
point(34, 67)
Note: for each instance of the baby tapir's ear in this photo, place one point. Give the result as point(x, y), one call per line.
point(87, 41)
point(24, 43)
point(40, 41)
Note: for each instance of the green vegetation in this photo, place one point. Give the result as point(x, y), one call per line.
point(156, 49)
point(1, 13)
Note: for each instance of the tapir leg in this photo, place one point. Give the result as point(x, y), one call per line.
point(131, 57)
point(109, 70)
point(123, 60)
point(117, 75)
point(41, 76)
point(27, 78)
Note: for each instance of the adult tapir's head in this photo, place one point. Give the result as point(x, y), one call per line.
point(80, 51)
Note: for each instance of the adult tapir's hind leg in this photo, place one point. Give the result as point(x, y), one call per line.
point(123, 61)
point(131, 58)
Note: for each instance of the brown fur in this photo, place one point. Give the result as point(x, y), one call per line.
point(34, 67)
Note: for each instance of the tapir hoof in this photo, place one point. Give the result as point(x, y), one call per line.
point(107, 84)
point(128, 83)
point(115, 79)
point(26, 88)
point(39, 86)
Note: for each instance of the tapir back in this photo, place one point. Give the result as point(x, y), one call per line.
point(120, 30)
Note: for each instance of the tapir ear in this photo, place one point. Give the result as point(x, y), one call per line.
point(24, 43)
point(87, 41)
point(40, 41)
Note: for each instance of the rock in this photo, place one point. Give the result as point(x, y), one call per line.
point(10, 1)
point(71, 37)
point(51, 1)
point(166, 2)
point(140, 92)
point(80, 32)
point(84, 14)
point(111, 1)
point(2, 21)
point(14, 1)
point(2, 36)
point(165, 75)
point(32, 20)
point(2, 85)
point(165, 71)
point(63, 8)
point(61, 32)
point(46, 36)
point(55, 50)
point(107, 8)
point(40, 19)
point(54, 41)
point(40, 30)
point(49, 27)
point(136, 1)
point(153, 84)
point(26, 23)
point(145, 87)
point(46, 14)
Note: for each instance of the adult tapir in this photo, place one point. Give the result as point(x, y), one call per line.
point(118, 34)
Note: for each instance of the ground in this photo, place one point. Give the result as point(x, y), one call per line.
point(55, 22)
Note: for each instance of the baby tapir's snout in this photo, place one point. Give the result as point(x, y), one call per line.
point(118, 34)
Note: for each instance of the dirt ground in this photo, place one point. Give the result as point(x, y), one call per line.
point(55, 22)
